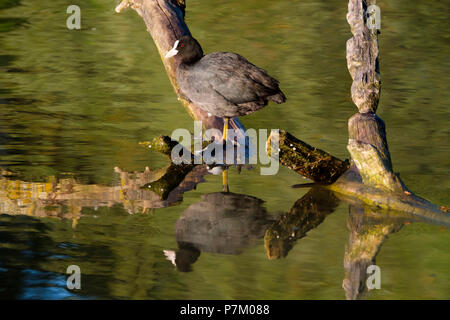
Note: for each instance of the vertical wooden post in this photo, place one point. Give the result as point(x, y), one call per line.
point(362, 58)
point(367, 133)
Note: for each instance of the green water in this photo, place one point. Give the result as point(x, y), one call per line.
point(74, 104)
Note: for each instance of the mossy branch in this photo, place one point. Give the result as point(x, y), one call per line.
point(308, 161)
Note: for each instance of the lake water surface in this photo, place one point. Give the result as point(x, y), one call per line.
point(74, 106)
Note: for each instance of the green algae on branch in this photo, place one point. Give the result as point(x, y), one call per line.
point(161, 144)
point(308, 161)
point(174, 174)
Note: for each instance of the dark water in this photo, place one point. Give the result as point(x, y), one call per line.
point(74, 106)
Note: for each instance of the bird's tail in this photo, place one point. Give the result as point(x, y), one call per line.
point(278, 98)
point(236, 124)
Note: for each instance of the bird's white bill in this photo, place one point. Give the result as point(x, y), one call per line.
point(173, 51)
point(171, 256)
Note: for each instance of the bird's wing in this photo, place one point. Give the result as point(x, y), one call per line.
point(234, 78)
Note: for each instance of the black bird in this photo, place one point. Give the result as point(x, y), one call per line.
point(223, 84)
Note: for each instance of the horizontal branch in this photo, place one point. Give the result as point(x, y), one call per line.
point(308, 161)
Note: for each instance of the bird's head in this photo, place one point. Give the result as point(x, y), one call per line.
point(187, 49)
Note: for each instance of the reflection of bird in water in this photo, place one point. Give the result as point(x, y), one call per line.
point(223, 84)
point(186, 255)
point(223, 223)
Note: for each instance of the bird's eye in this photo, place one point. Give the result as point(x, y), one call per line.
point(182, 45)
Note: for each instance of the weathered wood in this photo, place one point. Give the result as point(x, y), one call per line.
point(370, 178)
point(362, 58)
point(370, 182)
point(310, 162)
point(372, 168)
point(367, 133)
point(370, 129)
point(174, 174)
point(161, 144)
point(349, 184)
point(165, 23)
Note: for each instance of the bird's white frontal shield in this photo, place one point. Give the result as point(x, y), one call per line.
point(172, 52)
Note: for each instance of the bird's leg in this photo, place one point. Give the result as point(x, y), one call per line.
point(225, 128)
point(225, 171)
point(225, 181)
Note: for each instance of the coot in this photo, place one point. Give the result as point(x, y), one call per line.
point(223, 84)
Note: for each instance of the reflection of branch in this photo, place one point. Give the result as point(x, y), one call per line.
point(65, 198)
point(137, 191)
point(306, 214)
point(170, 180)
point(367, 234)
point(174, 174)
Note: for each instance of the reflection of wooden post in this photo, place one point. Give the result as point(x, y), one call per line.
point(367, 235)
point(165, 23)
